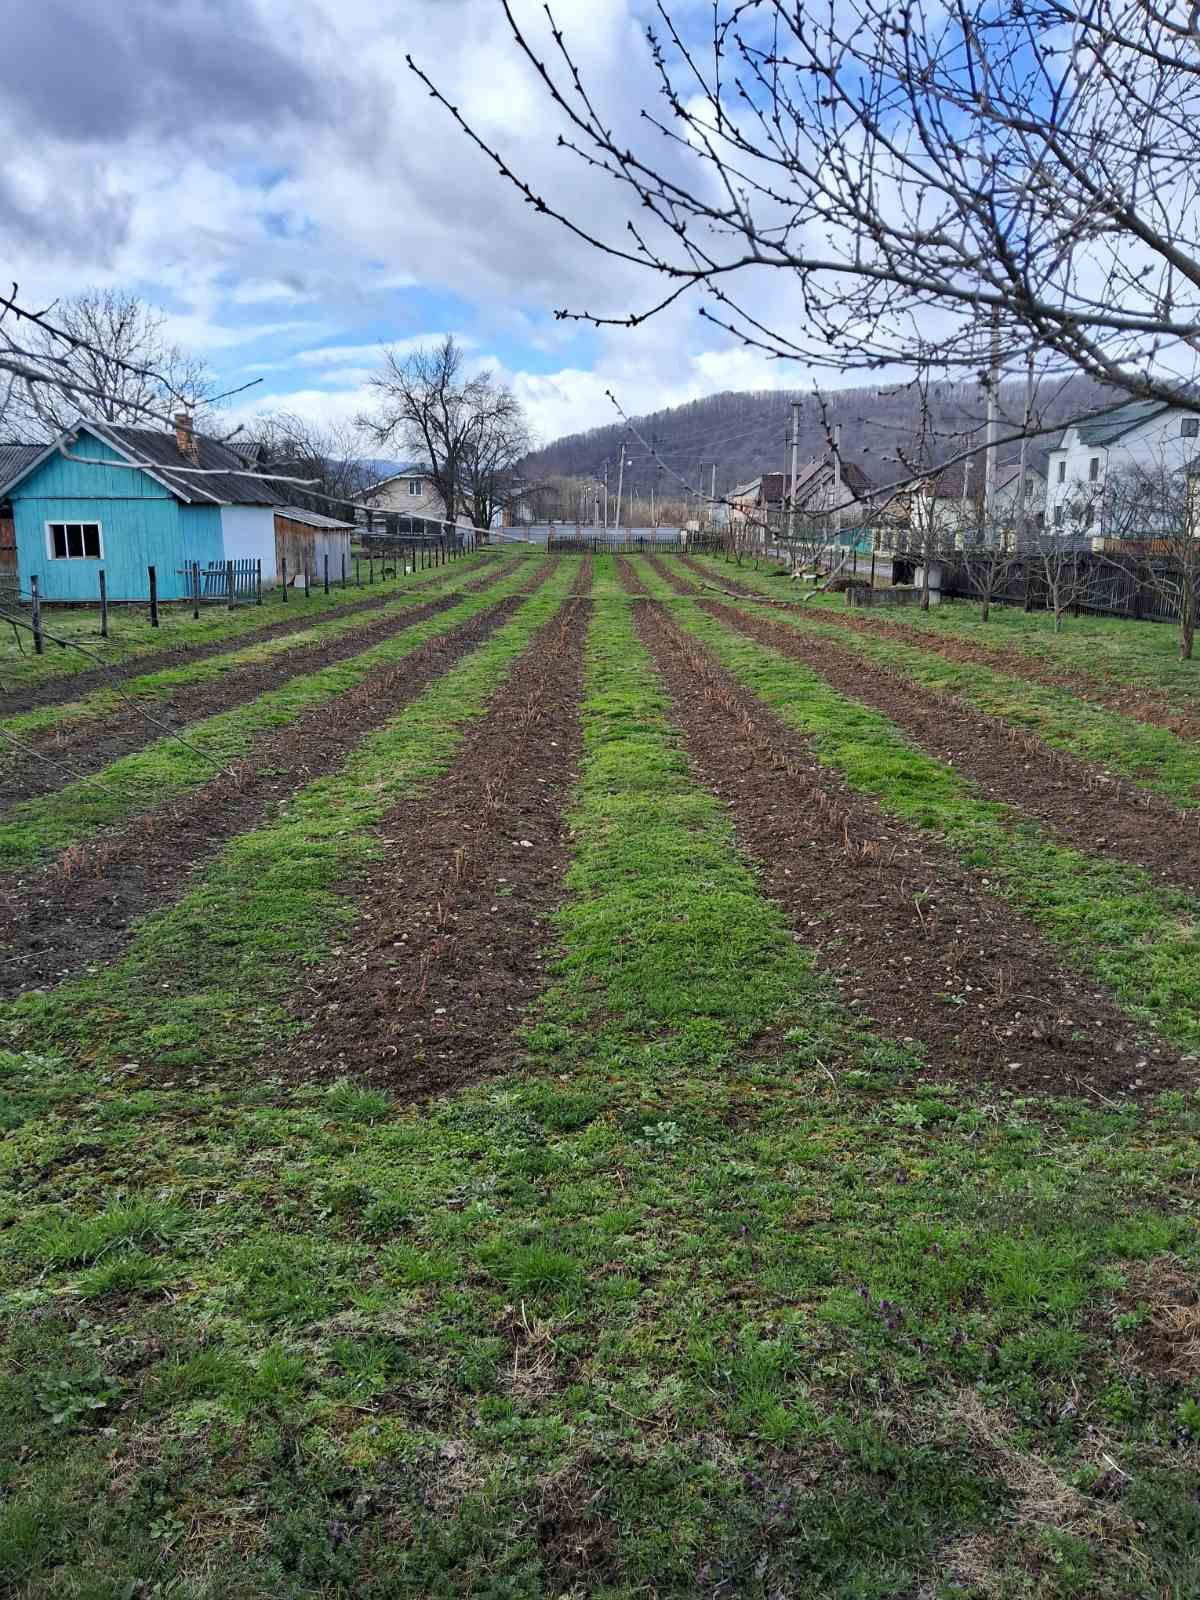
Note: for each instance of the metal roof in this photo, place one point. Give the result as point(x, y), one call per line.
point(14, 458)
point(311, 519)
point(1110, 427)
point(229, 482)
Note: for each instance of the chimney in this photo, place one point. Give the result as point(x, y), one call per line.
point(185, 437)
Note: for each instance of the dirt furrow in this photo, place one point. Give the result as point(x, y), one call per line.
point(1075, 801)
point(453, 925)
point(912, 941)
point(82, 748)
point(79, 908)
point(56, 690)
point(1108, 694)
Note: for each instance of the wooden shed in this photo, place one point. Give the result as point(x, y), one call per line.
point(305, 538)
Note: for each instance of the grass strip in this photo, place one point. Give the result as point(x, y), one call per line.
point(672, 1314)
point(1153, 757)
point(52, 822)
point(1143, 942)
point(131, 635)
point(160, 685)
point(1108, 650)
point(221, 958)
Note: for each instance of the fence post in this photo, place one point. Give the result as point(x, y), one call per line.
point(370, 569)
point(35, 609)
point(103, 604)
point(229, 583)
point(326, 574)
point(195, 591)
point(343, 570)
point(285, 582)
point(307, 584)
point(153, 596)
point(872, 566)
point(258, 581)
point(357, 574)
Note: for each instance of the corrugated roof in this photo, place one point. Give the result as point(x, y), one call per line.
point(14, 458)
point(1109, 427)
point(311, 519)
point(227, 483)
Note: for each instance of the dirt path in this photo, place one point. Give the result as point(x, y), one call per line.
point(450, 940)
point(911, 940)
point(53, 691)
point(82, 748)
point(1109, 694)
point(79, 908)
point(1075, 801)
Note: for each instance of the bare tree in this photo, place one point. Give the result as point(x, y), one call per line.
point(103, 355)
point(494, 449)
point(1061, 553)
point(912, 170)
point(328, 455)
point(1153, 509)
point(991, 554)
point(467, 427)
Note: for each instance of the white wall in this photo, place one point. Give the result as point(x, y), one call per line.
point(1155, 444)
point(248, 533)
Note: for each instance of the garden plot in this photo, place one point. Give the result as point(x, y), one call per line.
point(83, 737)
point(514, 1158)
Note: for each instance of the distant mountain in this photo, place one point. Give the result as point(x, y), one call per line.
point(748, 432)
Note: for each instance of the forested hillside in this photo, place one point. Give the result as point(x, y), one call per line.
point(747, 432)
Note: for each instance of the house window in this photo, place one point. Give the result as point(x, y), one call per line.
point(1062, 471)
point(1093, 469)
point(414, 486)
point(73, 541)
point(1189, 428)
point(1059, 513)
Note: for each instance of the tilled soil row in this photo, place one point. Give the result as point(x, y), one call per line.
point(450, 939)
point(911, 940)
point(1108, 694)
point(86, 747)
point(80, 907)
point(56, 690)
point(1075, 801)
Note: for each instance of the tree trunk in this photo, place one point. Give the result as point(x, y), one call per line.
point(985, 608)
point(1187, 620)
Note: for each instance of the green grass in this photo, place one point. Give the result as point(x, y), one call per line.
point(1110, 920)
point(712, 1295)
point(1149, 756)
point(130, 633)
point(220, 960)
point(161, 685)
point(1144, 655)
point(35, 828)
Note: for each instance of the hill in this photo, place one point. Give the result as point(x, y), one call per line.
point(748, 432)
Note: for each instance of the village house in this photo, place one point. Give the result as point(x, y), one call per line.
point(954, 497)
point(767, 497)
point(1146, 434)
point(122, 499)
point(411, 492)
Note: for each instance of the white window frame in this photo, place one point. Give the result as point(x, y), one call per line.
point(67, 522)
point(414, 486)
point(1188, 428)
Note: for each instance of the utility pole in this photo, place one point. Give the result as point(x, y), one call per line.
point(795, 477)
point(837, 481)
point(993, 422)
point(1026, 424)
point(607, 463)
point(620, 483)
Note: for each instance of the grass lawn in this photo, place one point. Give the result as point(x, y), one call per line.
point(714, 1293)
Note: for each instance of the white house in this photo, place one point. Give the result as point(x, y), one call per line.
point(1144, 433)
point(411, 492)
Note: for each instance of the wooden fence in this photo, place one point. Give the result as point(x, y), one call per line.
point(611, 544)
point(1106, 587)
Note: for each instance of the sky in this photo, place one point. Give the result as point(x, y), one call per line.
point(275, 178)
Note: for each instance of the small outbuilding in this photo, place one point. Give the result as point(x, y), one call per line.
point(103, 496)
point(306, 538)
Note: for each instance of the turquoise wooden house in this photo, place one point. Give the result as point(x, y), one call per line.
point(113, 498)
